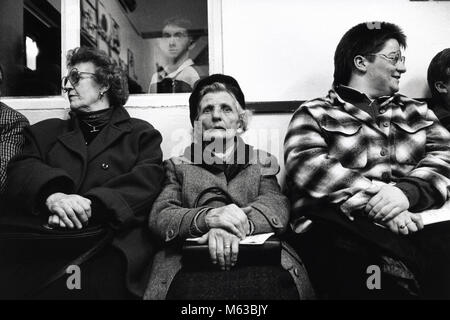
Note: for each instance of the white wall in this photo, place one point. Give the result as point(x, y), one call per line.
point(283, 49)
point(266, 131)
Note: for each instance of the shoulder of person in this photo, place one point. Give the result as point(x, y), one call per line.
point(142, 128)
point(177, 160)
point(189, 73)
point(47, 130)
point(9, 114)
point(406, 102)
point(53, 124)
point(141, 124)
point(319, 108)
point(268, 162)
point(322, 104)
point(176, 166)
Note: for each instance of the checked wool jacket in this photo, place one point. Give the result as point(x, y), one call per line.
point(334, 150)
point(11, 138)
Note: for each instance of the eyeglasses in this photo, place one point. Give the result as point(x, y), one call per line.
point(74, 76)
point(393, 60)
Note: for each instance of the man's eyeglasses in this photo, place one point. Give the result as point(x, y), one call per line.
point(392, 59)
point(74, 76)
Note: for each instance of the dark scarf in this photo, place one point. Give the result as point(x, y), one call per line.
point(239, 160)
point(91, 123)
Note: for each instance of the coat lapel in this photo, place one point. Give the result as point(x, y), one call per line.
point(74, 140)
point(118, 126)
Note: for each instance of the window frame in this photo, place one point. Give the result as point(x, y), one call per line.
point(70, 38)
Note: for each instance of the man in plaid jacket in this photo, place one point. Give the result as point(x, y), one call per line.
point(11, 139)
point(366, 153)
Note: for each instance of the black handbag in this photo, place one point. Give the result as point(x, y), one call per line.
point(197, 255)
point(269, 253)
point(261, 271)
point(34, 255)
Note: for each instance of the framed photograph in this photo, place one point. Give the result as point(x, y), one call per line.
point(103, 22)
point(89, 22)
point(115, 36)
point(125, 33)
point(185, 21)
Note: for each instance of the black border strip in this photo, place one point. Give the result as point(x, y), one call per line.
point(274, 106)
point(286, 106)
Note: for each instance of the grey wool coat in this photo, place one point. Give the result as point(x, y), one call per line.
point(255, 185)
point(171, 218)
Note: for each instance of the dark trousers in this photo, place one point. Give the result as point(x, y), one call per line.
point(102, 277)
point(337, 259)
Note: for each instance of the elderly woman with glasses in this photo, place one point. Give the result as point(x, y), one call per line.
point(220, 190)
point(98, 167)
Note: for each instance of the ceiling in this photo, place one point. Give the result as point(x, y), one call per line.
point(149, 15)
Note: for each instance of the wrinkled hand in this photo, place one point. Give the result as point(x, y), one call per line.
point(223, 247)
point(389, 202)
point(231, 218)
point(72, 210)
point(405, 223)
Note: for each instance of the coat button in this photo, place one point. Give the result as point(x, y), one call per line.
point(383, 152)
point(170, 233)
point(275, 221)
point(385, 124)
point(105, 166)
point(385, 176)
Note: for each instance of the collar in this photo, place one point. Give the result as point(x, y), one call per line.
point(242, 154)
point(346, 94)
point(119, 115)
point(352, 95)
point(183, 66)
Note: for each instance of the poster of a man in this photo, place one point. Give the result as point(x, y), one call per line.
point(175, 71)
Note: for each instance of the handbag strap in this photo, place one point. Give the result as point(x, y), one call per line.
point(221, 195)
point(77, 261)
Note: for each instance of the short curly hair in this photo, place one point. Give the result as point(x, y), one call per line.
point(107, 72)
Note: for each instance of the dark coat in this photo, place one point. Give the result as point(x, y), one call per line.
point(121, 170)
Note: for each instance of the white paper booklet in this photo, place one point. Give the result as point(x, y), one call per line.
point(436, 215)
point(254, 240)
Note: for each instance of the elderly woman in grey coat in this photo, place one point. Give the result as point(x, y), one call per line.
point(220, 190)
